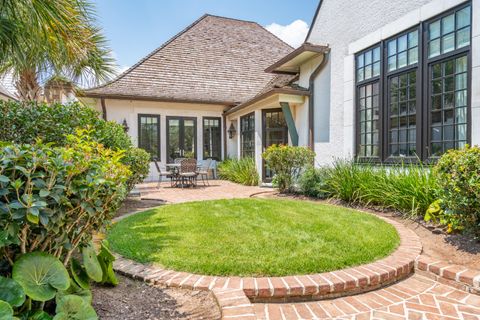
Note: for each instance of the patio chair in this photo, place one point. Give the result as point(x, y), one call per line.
point(204, 170)
point(188, 172)
point(162, 173)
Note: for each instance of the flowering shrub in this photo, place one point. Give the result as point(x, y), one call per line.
point(287, 163)
point(458, 175)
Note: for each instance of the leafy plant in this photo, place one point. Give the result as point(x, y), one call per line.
point(458, 175)
point(11, 292)
point(287, 163)
point(74, 307)
point(106, 258)
point(25, 123)
point(312, 182)
point(243, 171)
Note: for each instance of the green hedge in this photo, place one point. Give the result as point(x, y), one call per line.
point(29, 122)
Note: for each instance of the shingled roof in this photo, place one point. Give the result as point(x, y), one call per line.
point(214, 60)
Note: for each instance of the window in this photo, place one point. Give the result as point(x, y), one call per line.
point(247, 132)
point(402, 115)
point(412, 105)
point(369, 119)
point(449, 33)
point(448, 105)
point(212, 137)
point(368, 64)
point(402, 51)
point(149, 134)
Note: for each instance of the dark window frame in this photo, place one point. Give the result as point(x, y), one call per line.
point(139, 119)
point(251, 131)
point(219, 141)
point(422, 91)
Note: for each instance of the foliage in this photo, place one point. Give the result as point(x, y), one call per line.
point(406, 188)
point(287, 163)
point(138, 160)
point(28, 122)
point(41, 277)
point(253, 237)
point(52, 38)
point(312, 182)
point(106, 258)
point(438, 214)
point(243, 171)
point(458, 175)
point(55, 198)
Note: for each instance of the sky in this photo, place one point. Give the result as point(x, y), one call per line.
point(134, 28)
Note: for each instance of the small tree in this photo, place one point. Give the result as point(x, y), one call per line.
point(287, 163)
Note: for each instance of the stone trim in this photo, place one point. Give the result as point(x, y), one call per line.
point(454, 275)
point(354, 280)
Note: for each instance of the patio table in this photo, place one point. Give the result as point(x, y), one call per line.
point(175, 167)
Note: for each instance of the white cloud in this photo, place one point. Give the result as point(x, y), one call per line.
point(294, 33)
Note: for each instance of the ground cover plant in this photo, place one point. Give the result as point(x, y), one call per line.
point(287, 163)
point(253, 237)
point(409, 189)
point(242, 171)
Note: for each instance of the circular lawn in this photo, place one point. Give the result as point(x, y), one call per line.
point(253, 237)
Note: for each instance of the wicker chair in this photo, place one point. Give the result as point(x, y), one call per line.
point(188, 172)
point(204, 170)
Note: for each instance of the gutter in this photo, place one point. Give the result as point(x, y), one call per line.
point(311, 87)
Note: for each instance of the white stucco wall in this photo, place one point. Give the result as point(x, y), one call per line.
point(350, 26)
point(118, 110)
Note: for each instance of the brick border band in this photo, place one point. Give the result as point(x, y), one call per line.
point(360, 279)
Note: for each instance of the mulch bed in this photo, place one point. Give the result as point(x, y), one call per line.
point(133, 300)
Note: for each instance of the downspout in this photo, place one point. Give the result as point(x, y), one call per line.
point(104, 109)
point(224, 120)
point(311, 86)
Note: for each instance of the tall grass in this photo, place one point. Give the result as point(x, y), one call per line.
point(242, 171)
point(408, 188)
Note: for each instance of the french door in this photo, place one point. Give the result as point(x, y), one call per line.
point(275, 131)
point(181, 138)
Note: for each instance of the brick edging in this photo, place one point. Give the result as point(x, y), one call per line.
point(354, 280)
point(454, 275)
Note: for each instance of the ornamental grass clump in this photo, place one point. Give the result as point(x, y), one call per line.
point(408, 188)
point(242, 171)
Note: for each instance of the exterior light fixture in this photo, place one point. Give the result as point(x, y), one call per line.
point(125, 125)
point(231, 131)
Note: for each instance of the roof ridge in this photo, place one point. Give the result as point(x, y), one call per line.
point(163, 45)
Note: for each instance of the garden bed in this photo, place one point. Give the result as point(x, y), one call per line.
point(133, 299)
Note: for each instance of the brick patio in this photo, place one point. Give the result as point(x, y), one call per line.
point(218, 189)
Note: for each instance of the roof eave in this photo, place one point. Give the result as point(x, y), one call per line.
point(304, 49)
point(266, 95)
point(154, 99)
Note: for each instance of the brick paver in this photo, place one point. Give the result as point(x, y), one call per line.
point(417, 297)
point(218, 189)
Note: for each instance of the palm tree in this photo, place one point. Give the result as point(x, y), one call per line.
point(40, 39)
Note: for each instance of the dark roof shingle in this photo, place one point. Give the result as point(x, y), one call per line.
point(214, 60)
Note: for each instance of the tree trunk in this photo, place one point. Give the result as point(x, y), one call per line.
point(28, 87)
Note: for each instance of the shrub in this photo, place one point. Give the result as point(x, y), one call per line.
point(312, 182)
point(458, 175)
point(287, 163)
point(406, 188)
point(28, 122)
point(242, 171)
point(55, 198)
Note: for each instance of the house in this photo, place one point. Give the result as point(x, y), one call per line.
point(5, 95)
point(384, 81)
point(173, 101)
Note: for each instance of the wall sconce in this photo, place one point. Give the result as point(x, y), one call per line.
point(125, 125)
point(231, 131)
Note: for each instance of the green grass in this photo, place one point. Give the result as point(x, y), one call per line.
point(253, 237)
